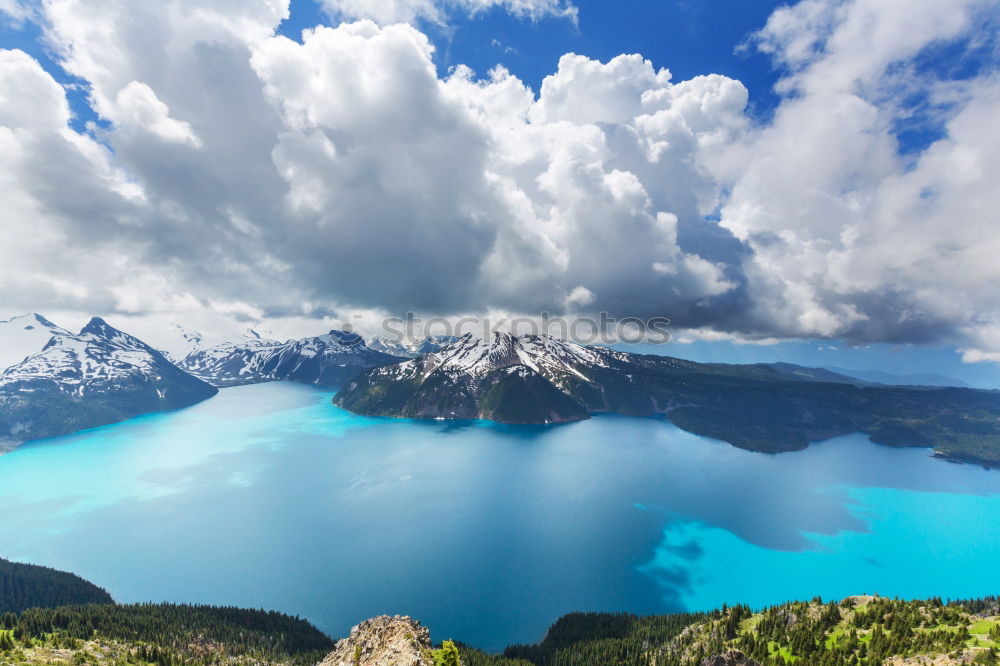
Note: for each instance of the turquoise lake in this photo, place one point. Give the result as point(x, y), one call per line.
point(269, 496)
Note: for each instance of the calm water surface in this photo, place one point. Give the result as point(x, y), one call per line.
point(269, 496)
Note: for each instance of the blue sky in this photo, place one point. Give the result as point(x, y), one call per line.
point(689, 38)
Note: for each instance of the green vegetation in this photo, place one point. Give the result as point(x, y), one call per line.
point(446, 655)
point(162, 634)
point(860, 631)
point(579, 639)
point(516, 397)
point(27, 585)
point(473, 657)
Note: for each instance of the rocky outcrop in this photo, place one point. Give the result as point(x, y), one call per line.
point(384, 641)
point(731, 658)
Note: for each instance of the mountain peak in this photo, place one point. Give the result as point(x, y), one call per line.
point(347, 338)
point(99, 332)
point(97, 326)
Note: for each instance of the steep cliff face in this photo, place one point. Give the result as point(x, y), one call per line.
point(384, 641)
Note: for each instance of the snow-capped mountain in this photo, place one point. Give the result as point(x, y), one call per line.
point(24, 335)
point(98, 376)
point(325, 360)
point(407, 348)
point(525, 379)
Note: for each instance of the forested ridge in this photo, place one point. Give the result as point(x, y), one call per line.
point(27, 585)
point(164, 634)
point(858, 631)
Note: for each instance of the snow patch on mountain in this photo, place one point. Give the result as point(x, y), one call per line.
point(24, 335)
point(546, 355)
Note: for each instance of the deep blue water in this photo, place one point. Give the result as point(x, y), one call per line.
point(269, 496)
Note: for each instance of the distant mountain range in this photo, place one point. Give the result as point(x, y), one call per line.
point(325, 360)
point(57, 382)
point(880, 377)
point(763, 407)
point(54, 382)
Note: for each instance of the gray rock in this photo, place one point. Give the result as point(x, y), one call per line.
point(384, 641)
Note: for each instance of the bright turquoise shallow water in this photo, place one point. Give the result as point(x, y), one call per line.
point(268, 496)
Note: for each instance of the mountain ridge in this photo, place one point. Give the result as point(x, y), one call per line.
point(761, 407)
point(328, 360)
point(892, 379)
